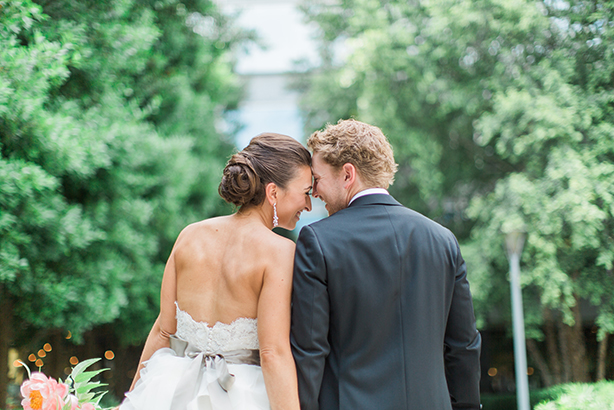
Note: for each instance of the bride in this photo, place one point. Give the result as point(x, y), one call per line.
point(221, 340)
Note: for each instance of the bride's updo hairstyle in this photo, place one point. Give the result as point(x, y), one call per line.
point(268, 158)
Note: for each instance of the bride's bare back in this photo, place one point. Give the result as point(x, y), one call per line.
point(220, 265)
point(217, 269)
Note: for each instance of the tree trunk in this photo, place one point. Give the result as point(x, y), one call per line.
point(122, 381)
point(58, 360)
point(90, 348)
point(601, 357)
point(554, 358)
point(565, 359)
point(577, 346)
point(540, 363)
point(5, 339)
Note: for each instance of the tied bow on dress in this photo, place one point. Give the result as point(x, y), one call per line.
point(219, 379)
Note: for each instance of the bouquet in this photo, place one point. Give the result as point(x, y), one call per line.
point(45, 393)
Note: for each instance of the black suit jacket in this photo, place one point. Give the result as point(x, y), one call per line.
point(382, 316)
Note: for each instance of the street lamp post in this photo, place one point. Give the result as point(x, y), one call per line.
point(514, 242)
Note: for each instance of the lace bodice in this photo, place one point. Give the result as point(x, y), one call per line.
point(221, 337)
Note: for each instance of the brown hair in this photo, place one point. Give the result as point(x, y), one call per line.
point(268, 158)
point(360, 144)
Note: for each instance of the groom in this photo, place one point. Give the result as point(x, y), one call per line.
point(382, 316)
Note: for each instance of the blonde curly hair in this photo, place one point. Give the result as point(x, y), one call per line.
point(360, 144)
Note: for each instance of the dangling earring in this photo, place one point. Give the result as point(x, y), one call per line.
point(275, 218)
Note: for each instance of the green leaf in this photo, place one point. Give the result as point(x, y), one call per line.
point(84, 388)
point(86, 376)
point(86, 397)
point(99, 397)
point(78, 369)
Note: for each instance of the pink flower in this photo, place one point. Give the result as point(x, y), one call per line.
point(42, 393)
point(74, 402)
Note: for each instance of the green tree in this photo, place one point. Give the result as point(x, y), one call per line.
point(504, 105)
point(402, 73)
point(110, 139)
point(554, 123)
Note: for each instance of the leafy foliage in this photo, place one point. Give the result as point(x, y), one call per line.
point(110, 139)
point(83, 386)
point(553, 121)
point(577, 396)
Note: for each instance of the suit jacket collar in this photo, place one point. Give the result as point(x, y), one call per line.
point(374, 199)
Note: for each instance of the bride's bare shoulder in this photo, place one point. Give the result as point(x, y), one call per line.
point(201, 230)
point(278, 248)
point(252, 238)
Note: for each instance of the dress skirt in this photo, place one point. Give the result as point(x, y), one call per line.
point(161, 381)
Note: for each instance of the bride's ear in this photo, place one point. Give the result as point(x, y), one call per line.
point(271, 192)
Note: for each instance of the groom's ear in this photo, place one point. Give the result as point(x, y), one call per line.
point(349, 174)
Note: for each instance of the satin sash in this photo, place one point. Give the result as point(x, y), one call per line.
point(219, 379)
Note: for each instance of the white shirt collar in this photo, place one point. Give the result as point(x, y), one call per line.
point(369, 191)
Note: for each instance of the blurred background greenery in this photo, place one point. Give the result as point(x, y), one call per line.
point(113, 134)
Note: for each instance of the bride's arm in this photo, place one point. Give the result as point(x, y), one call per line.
point(276, 358)
point(166, 323)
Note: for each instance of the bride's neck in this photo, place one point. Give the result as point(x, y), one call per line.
point(259, 214)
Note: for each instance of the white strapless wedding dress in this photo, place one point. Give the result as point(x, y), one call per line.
point(206, 368)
